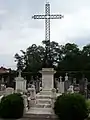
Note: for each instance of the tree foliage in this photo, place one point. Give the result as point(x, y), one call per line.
point(68, 57)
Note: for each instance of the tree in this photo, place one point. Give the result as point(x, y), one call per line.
point(66, 57)
point(55, 52)
point(70, 57)
point(19, 60)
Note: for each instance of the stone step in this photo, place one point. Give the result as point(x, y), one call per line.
point(38, 96)
point(43, 106)
point(39, 117)
point(40, 111)
point(39, 114)
point(46, 101)
point(45, 92)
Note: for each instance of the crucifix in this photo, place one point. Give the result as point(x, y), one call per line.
point(47, 18)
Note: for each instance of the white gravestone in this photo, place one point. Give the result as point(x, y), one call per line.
point(61, 85)
point(47, 78)
point(66, 77)
point(20, 83)
point(9, 91)
point(66, 83)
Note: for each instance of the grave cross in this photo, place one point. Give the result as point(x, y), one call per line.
point(47, 18)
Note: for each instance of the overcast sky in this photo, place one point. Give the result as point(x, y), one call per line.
point(18, 30)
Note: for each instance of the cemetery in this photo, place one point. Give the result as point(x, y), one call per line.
point(45, 95)
point(42, 103)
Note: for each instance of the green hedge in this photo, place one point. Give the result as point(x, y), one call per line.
point(71, 107)
point(12, 106)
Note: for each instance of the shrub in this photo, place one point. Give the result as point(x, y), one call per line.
point(12, 106)
point(71, 107)
point(88, 105)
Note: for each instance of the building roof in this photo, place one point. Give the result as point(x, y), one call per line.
point(4, 70)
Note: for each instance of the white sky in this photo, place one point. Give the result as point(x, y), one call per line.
point(18, 31)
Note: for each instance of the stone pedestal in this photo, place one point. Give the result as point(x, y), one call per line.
point(47, 78)
point(46, 98)
point(20, 83)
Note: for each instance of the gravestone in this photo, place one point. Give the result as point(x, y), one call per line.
point(37, 85)
point(56, 84)
point(74, 81)
point(82, 86)
point(9, 90)
point(20, 83)
point(61, 85)
point(66, 83)
point(86, 92)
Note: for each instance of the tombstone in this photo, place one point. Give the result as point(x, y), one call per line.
point(82, 86)
point(20, 83)
point(86, 83)
point(3, 87)
point(74, 81)
point(32, 80)
point(57, 84)
point(66, 83)
point(61, 85)
point(37, 85)
point(9, 90)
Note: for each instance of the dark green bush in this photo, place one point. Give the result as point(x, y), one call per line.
point(12, 106)
point(71, 107)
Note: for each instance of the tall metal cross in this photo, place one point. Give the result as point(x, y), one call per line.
point(47, 58)
point(47, 18)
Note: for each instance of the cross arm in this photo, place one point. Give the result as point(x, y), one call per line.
point(56, 16)
point(47, 16)
point(38, 17)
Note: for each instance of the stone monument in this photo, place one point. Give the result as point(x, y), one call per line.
point(43, 99)
point(20, 83)
point(47, 79)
